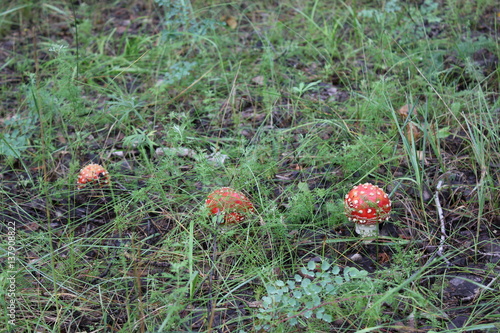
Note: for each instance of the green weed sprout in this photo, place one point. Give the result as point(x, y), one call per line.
point(306, 296)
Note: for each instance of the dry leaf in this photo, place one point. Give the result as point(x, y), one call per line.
point(421, 156)
point(383, 258)
point(413, 133)
point(403, 111)
point(231, 22)
point(258, 80)
point(61, 138)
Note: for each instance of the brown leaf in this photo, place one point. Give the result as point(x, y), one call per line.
point(258, 80)
point(421, 157)
point(383, 258)
point(231, 22)
point(32, 226)
point(413, 133)
point(403, 111)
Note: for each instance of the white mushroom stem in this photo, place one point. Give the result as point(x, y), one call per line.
point(367, 230)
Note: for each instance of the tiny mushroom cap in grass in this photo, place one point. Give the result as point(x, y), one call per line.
point(92, 173)
point(367, 205)
point(234, 206)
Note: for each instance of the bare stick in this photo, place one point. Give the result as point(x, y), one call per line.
point(442, 221)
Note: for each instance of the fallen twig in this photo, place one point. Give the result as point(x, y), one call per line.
point(442, 222)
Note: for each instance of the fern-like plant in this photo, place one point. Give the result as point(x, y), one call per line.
point(307, 295)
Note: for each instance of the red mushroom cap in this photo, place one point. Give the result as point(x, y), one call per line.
point(234, 205)
point(92, 173)
point(367, 204)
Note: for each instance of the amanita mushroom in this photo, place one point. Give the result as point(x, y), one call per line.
point(367, 205)
point(92, 173)
point(234, 206)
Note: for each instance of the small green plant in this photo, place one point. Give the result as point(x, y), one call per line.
point(303, 203)
point(185, 283)
point(391, 6)
point(141, 140)
point(15, 141)
point(124, 107)
point(179, 20)
point(305, 297)
point(363, 155)
point(408, 17)
point(176, 73)
point(303, 88)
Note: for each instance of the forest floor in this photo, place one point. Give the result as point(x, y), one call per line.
point(290, 102)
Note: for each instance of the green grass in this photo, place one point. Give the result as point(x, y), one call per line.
point(295, 105)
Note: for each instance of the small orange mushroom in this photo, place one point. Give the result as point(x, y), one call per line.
point(92, 173)
point(234, 206)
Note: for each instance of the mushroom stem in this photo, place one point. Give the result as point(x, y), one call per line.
point(367, 230)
